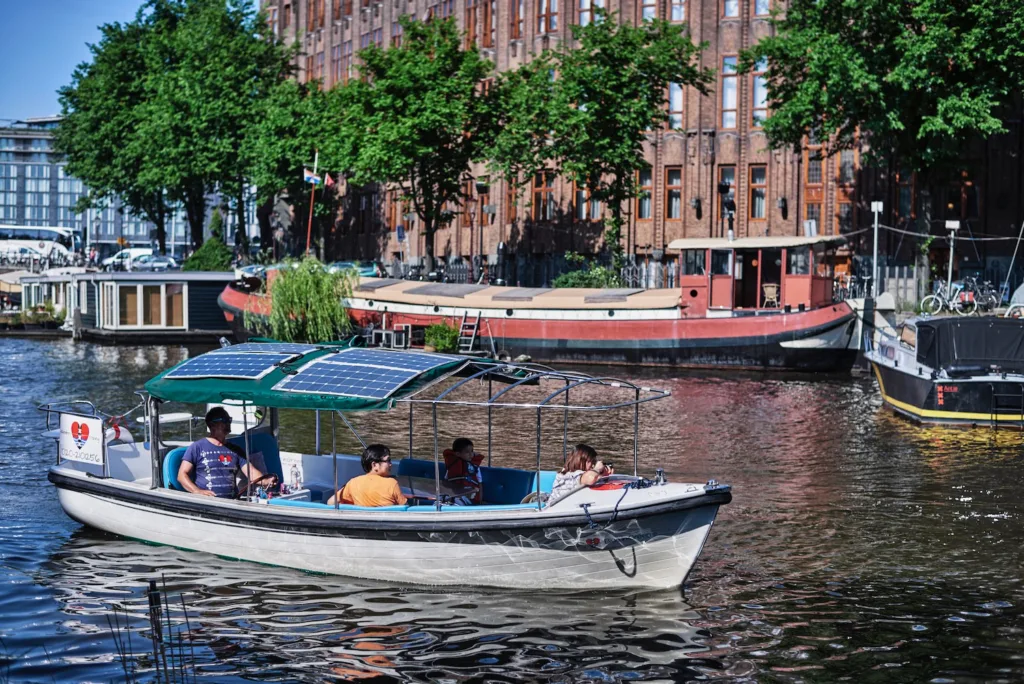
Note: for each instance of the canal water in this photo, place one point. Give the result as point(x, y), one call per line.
point(857, 548)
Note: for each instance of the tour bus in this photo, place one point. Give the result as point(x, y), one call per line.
point(49, 241)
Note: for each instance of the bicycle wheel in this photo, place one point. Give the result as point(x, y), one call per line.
point(931, 305)
point(965, 307)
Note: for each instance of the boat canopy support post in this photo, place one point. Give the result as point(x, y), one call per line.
point(317, 432)
point(636, 435)
point(565, 425)
point(410, 429)
point(334, 458)
point(156, 457)
point(245, 432)
point(437, 466)
point(275, 423)
point(490, 414)
point(540, 504)
point(349, 426)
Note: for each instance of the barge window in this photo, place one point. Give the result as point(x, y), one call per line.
point(721, 262)
point(691, 262)
point(908, 337)
point(128, 303)
point(824, 260)
point(151, 314)
point(174, 301)
point(799, 261)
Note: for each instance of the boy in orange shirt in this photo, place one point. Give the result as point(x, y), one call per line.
point(376, 487)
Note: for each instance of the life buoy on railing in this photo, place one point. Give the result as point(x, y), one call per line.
point(116, 433)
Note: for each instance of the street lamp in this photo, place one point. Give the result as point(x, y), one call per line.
point(482, 189)
point(728, 206)
point(952, 227)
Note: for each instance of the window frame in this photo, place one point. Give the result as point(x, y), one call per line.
point(672, 5)
point(733, 76)
point(754, 12)
point(640, 198)
point(511, 203)
point(669, 189)
point(517, 17)
point(544, 193)
point(643, 6)
point(470, 24)
point(722, 168)
point(489, 34)
point(547, 16)
point(723, 8)
point(761, 68)
point(753, 187)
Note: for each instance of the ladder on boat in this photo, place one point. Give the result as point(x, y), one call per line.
point(469, 329)
point(1007, 404)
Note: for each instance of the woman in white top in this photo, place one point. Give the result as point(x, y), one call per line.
point(581, 469)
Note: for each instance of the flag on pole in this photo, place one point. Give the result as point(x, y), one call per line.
point(310, 177)
point(328, 181)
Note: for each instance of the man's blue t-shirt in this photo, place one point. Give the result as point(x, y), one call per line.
point(214, 466)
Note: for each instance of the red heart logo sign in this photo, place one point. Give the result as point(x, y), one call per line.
point(75, 427)
point(80, 434)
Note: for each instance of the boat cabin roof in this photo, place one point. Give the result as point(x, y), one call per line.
point(764, 242)
point(988, 342)
point(340, 377)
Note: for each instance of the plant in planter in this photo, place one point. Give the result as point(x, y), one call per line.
point(306, 303)
point(442, 338)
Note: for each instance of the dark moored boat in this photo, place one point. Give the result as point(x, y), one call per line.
point(960, 371)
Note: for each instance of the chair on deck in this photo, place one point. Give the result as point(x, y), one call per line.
point(771, 295)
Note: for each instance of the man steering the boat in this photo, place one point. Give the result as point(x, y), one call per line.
point(215, 463)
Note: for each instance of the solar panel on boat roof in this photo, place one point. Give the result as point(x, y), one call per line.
point(327, 376)
point(266, 348)
point(390, 359)
point(244, 366)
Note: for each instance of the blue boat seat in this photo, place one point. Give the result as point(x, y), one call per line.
point(326, 507)
point(172, 462)
point(502, 486)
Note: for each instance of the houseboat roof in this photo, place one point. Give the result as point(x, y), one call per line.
point(763, 242)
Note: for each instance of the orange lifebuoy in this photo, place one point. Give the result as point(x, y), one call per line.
point(610, 484)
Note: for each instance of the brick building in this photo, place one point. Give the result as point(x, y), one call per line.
point(709, 139)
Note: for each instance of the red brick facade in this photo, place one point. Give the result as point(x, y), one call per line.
point(775, 191)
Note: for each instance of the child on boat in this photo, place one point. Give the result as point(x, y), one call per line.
point(582, 469)
point(463, 466)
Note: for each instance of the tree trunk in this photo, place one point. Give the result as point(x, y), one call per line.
point(161, 225)
point(428, 242)
point(263, 214)
point(195, 212)
point(241, 230)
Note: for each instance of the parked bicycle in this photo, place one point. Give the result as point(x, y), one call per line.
point(985, 294)
point(959, 300)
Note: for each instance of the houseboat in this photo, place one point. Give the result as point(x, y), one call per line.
point(168, 307)
point(625, 531)
point(755, 303)
point(956, 371)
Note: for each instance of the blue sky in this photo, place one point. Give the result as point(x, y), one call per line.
point(41, 42)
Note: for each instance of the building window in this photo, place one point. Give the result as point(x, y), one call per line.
point(346, 61)
point(727, 175)
point(812, 212)
point(586, 10)
point(844, 217)
point(396, 33)
point(586, 207)
point(643, 200)
point(378, 38)
point(675, 106)
point(762, 8)
point(347, 8)
point(174, 301)
point(813, 163)
point(905, 194)
point(286, 16)
point(648, 10)
point(511, 203)
point(544, 196)
point(518, 13)
point(759, 94)
point(128, 304)
point(470, 23)
point(847, 167)
point(336, 64)
point(547, 16)
point(730, 8)
point(758, 192)
point(674, 192)
point(490, 24)
point(320, 59)
point(447, 8)
point(729, 91)
point(677, 10)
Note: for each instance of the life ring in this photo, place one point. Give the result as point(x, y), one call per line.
point(609, 484)
point(116, 433)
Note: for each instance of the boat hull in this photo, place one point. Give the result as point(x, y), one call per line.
point(951, 401)
point(809, 341)
point(655, 549)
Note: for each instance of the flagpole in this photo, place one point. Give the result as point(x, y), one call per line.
point(312, 194)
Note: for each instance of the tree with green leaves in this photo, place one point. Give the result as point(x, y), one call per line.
point(918, 79)
point(213, 254)
point(98, 134)
point(306, 302)
point(604, 94)
point(417, 120)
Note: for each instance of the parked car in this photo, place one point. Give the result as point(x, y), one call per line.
point(154, 262)
point(368, 269)
point(119, 261)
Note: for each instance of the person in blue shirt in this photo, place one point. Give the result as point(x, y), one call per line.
point(210, 464)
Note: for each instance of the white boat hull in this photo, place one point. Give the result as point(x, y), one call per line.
point(649, 551)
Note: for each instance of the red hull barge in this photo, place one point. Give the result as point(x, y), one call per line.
point(745, 311)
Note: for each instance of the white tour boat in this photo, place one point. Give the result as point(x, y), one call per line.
point(626, 531)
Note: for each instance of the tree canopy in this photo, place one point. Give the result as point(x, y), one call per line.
point(918, 78)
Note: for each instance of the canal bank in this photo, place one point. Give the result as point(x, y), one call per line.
point(857, 546)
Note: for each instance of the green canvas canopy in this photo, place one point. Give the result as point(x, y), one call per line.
point(348, 366)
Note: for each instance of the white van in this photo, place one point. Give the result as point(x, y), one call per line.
point(122, 259)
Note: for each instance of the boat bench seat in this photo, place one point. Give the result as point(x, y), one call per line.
point(326, 507)
point(261, 442)
point(502, 486)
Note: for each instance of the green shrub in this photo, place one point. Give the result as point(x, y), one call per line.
point(587, 274)
point(442, 337)
point(305, 302)
point(213, 255)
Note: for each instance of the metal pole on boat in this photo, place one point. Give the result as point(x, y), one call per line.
point(245, 432)
point(410, 429)
point(636, 434)
point(539, 503)
point(318, 432)
point(565, 424)
point(154, 442)
point(876, 209)
point(334, 455)
point(490, 408)
point(437, 466)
